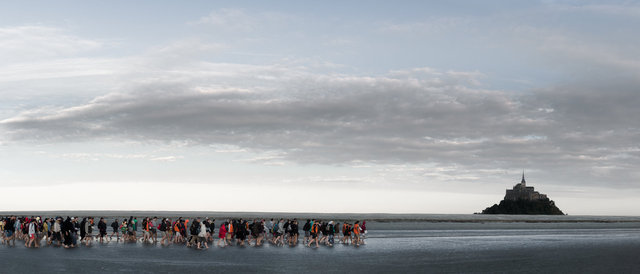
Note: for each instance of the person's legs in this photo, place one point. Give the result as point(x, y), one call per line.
point(204, 241)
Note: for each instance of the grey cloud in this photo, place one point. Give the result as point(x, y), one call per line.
point(435, 118)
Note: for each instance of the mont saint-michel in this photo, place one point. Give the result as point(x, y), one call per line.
point(523, 199)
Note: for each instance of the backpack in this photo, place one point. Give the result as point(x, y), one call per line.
point(162, 226)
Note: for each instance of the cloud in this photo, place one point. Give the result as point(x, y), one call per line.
point(24, 43)
point(240, 20)
point(167, 158)
point(293, 105)
point(60, 68)
point(577, 42)
point(236, 19)
point(38, 62)
point(430, 26)
point(581, 54)
point(416, 116)
point(580, 131)
point(106, 156)
point(625, 9)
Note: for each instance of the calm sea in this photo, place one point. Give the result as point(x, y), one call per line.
point(395, 243)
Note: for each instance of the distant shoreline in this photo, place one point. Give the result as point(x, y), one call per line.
point(375, 217)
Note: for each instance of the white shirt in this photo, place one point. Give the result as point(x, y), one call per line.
point(203, 230)
point(32, 228)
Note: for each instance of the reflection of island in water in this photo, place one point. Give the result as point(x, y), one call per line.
point(522, 199)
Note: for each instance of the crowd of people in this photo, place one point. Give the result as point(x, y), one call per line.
point(196, 233)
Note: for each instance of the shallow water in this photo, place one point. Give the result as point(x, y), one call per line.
point(418, 247)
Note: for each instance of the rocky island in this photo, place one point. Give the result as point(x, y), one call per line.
point(523, 199)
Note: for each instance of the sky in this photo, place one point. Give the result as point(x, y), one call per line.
point(319, 106)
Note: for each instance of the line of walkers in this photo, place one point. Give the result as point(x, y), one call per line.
point(196, 233)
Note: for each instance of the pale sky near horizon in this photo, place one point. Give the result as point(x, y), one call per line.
point(319, 106)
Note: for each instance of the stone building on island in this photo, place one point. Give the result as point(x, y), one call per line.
point(523, 192)
point(523, 199)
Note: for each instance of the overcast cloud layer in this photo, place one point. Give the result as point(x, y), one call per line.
point(414, 116)
point(559, 99)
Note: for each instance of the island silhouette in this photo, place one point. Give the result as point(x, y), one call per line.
point(523, 199)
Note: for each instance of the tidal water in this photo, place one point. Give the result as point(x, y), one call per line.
point(392, 246)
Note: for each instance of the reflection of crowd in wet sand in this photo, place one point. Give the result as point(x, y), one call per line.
point(197, 233)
